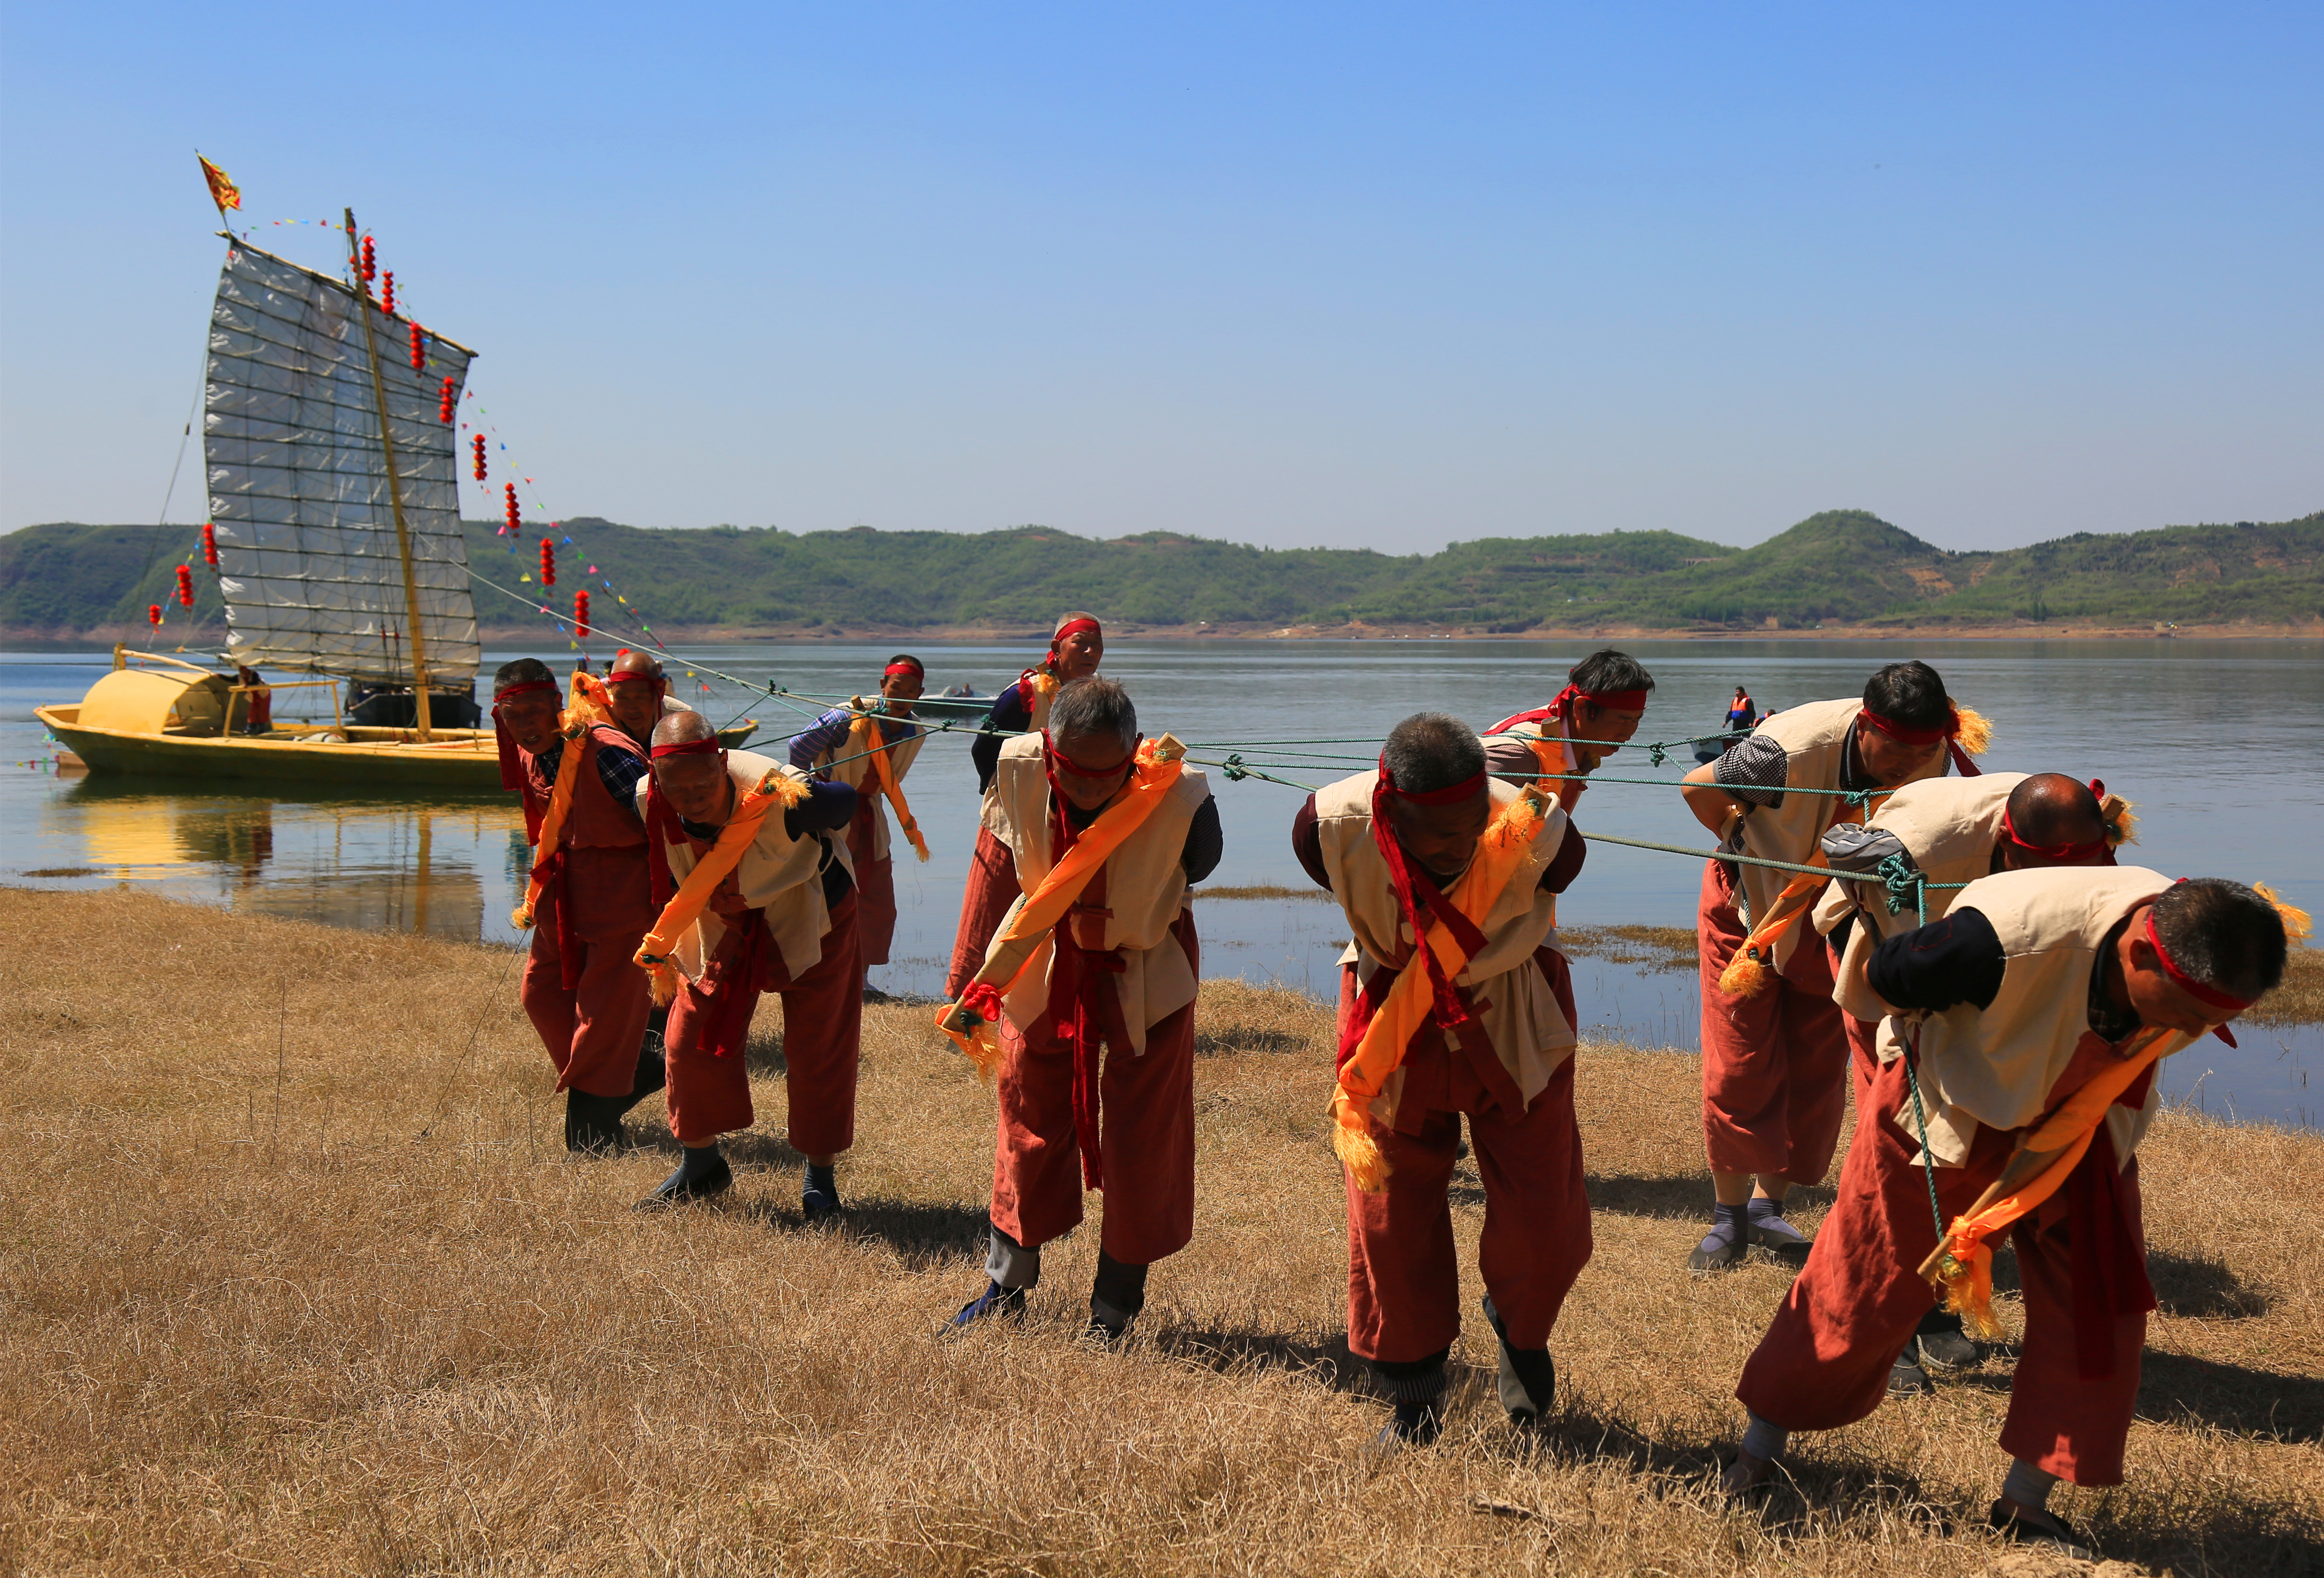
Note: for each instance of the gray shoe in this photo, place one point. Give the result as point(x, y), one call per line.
point(1947, 1347)
point(1906, 1379)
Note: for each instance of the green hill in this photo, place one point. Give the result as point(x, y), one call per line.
point(1843, 566)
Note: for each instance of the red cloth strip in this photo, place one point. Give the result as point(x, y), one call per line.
point(1450, 1012)
point(1059, 759)
point(1451, 794)
point(1909, 736)
point(709, 747)
point(2064, 853)
point(2210, 995)
point(1558, 707)
point(912, 668)
point(630, 676)
point(1074, 627)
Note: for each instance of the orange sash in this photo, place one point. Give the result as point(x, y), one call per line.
point(969, 1021)
point(876, 746)
point(1750, 970)
point(656, 954)
point(1380, 1053)
point(588, 705)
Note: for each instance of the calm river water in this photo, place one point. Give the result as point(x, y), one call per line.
point(2215, 741)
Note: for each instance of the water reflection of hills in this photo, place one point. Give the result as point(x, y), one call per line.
point(354, 861)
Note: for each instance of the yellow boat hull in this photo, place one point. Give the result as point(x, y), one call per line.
point(387, 760)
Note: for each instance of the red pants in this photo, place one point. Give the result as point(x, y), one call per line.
point(1774, 1078)
point(991, 888)
point(1404, 1281)
point(593, 1031)
point(823, 1031)
point(1146, 1119)
point(875, 887)
point(1863, 1059)
point(1824, 1361)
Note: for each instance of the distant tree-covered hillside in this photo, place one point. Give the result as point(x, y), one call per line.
point(1843, 566)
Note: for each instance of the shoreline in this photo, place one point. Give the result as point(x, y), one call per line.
point(22, 638)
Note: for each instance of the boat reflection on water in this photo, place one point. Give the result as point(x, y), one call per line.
point(445, 867)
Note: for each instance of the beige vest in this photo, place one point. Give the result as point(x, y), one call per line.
point(1948, 826)
point(1996, 1065)
point(1513, 1002)
point(1145, 888)
point(1814, 738)
point(860, 772)
point(779, 873)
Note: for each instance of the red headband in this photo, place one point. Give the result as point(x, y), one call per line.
point(503, 694)
point(1619, 700)
point(1450, 794)
point(1049, 747)
point(1910, 736)
point(2210, 996)
point(907, 667)
point(1074, 627)
point(709, 747)
point(2061, 853)
point(629, 676)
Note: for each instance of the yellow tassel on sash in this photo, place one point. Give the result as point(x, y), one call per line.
point(1749, 971)
point(656, 954)
point(1975, 732)
point(1159, 763)
point(587, 704)
point(1410, 998)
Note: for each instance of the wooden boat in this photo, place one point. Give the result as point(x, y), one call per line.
point(333, 497)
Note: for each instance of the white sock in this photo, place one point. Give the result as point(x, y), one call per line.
point(1765, 1441)
point(2028, 1486)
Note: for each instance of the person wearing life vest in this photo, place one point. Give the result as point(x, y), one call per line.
point(1475, 1020)
point(1948, 831)
point(587, 899)
point(752, 894)
point(639, 693)
point(1088, 969)
point(1774, 1054)
point(1604, 698)
point(2033, 1015)
point(258, 700)
point(1074, 653)
point(845, 745)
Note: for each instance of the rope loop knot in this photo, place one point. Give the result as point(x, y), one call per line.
point(1902, 881)
point(1656, 755)
point(1234, 768)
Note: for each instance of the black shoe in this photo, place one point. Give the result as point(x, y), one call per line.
point(1906, 1379)
point(1529, 1376)
point(1412, 1424)
point(1724, 1247)
point(2056, 1533)
point(995, 1302)
point(819, 1198)
point(1771, 1232)
point(1102, 1331)
point(593, 1124)
point(679, 1189)
point(1945, 1345)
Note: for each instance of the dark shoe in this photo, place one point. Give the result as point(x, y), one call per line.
point(1945, 1345)
point(1529, 1376)
point(691, 1184)
point(819, 1196)
point(593, 1124)
point(1770, 1231)
point(1412, 1424)
point(1116, 1296)
point(1006, 1304)
point(1724, 1247)
point(2052, 1530)
point(1906, 1379)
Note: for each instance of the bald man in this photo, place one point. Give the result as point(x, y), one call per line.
point(640, 693)
point(1951, 831)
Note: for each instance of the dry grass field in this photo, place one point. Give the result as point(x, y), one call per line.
point(296, 1278)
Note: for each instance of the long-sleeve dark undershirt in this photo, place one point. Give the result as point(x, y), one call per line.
point(1010, 716)
point(1307, 843)
point(1958, 959)
point(828, 807)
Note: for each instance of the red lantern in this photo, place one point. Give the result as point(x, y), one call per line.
point(548, 564)
point(153, 614)
point(209, 544)
point(480, 458)
point(580, 610)
point(515, 516)
point(186, 586)
point(446, 403)
point(387, 290)
point(418, 346)
point(370, 262)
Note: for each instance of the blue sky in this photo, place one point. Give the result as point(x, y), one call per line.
point(1344, 274)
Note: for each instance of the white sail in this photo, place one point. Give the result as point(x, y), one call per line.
point(308, 557)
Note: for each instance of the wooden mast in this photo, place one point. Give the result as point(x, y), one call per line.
point(394, 488)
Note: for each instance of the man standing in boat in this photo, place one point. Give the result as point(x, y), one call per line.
point(870, 744)
point(1949, 831)
point(1090, 983)
point(755, 895)
point(1774, 1055)
point(1603, 701)
point(1477, 1020)
point(589, 899)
